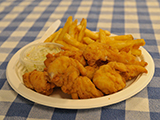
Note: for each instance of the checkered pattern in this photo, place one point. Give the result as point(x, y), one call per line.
point(23, 21)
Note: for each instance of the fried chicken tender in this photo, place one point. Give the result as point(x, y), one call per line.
point(112, 77)
point(96, 51)
point(83, 88)
point(90, 71)
point(50, 58)
point(78, 55)
point(126, 58)
point(38, 81)
point(62, 67)
point(128, 71)
point(133, 71)
point(65, 73)
point(100, 51)
point(108, 80)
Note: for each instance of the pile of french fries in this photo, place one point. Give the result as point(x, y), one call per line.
point(74, 36)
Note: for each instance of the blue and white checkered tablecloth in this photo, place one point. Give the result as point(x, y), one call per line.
point(23, 21)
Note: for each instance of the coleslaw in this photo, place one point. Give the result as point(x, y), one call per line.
point(33, 57)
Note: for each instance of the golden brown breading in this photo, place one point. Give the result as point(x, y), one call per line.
point(83, 88)
point(50, 58)
point(128, 71)
point(26, 80)
point(111, 77)
point(90, 71)
point(126, 58)
point(38, 81)
point(108, 80)
point(78, 55)
point(60, 65)
point(99, 51)
point(133, 71)
point(70, 75)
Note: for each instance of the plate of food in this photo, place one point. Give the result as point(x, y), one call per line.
point(75, 68)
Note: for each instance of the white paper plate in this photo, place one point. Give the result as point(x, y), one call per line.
point(61, 100)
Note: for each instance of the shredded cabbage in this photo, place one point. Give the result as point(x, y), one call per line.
point(37, 55)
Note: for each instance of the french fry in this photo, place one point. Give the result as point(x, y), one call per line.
point(122, 45)
point(50, 38)
point(123, 37)
point(83, 28)
point(65, 28)
point(103, 38)
point(72, 28)
point(88, 40)
point(89, 33)
point(70, 40)
point(138, 43)
point(107, 32)
point(75, 37)
point(136, 52)
point(76, 34)
point(57, 35)
point(67, 46)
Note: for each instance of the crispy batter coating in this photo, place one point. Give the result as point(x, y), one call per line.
point(98, 70)
point(133, 71)
point(78, 55)
point(112, 77)
point(50, 58)
point(90, 71)
point(70, 75)
point(99, 51)
point(38, 81)
point(57, 69)
point(128, 71)
point(83, 88)
point(108, 80)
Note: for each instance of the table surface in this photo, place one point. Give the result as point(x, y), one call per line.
point(23, 21)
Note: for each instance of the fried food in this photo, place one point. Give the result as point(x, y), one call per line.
point(89, 33)
point(128, 72)
point(99, 51)
point(50, 58)
point(64, 74)
point(73, 29)
point(102, 36)
point(91, 64)
point(70, 40)
point(78, 55)
point(133, 71)
point(59, 66)
point(122, 37)
point(75, 36)
point(83, 88)
point(38, 81)
point(122, 42)
point(126, 58)
point(83, 28)
point(90, 71)
point(112, 77)
point(50, 38)
point(108, 80)
point(87, 40)
point(65, 28)
point(66, 46)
